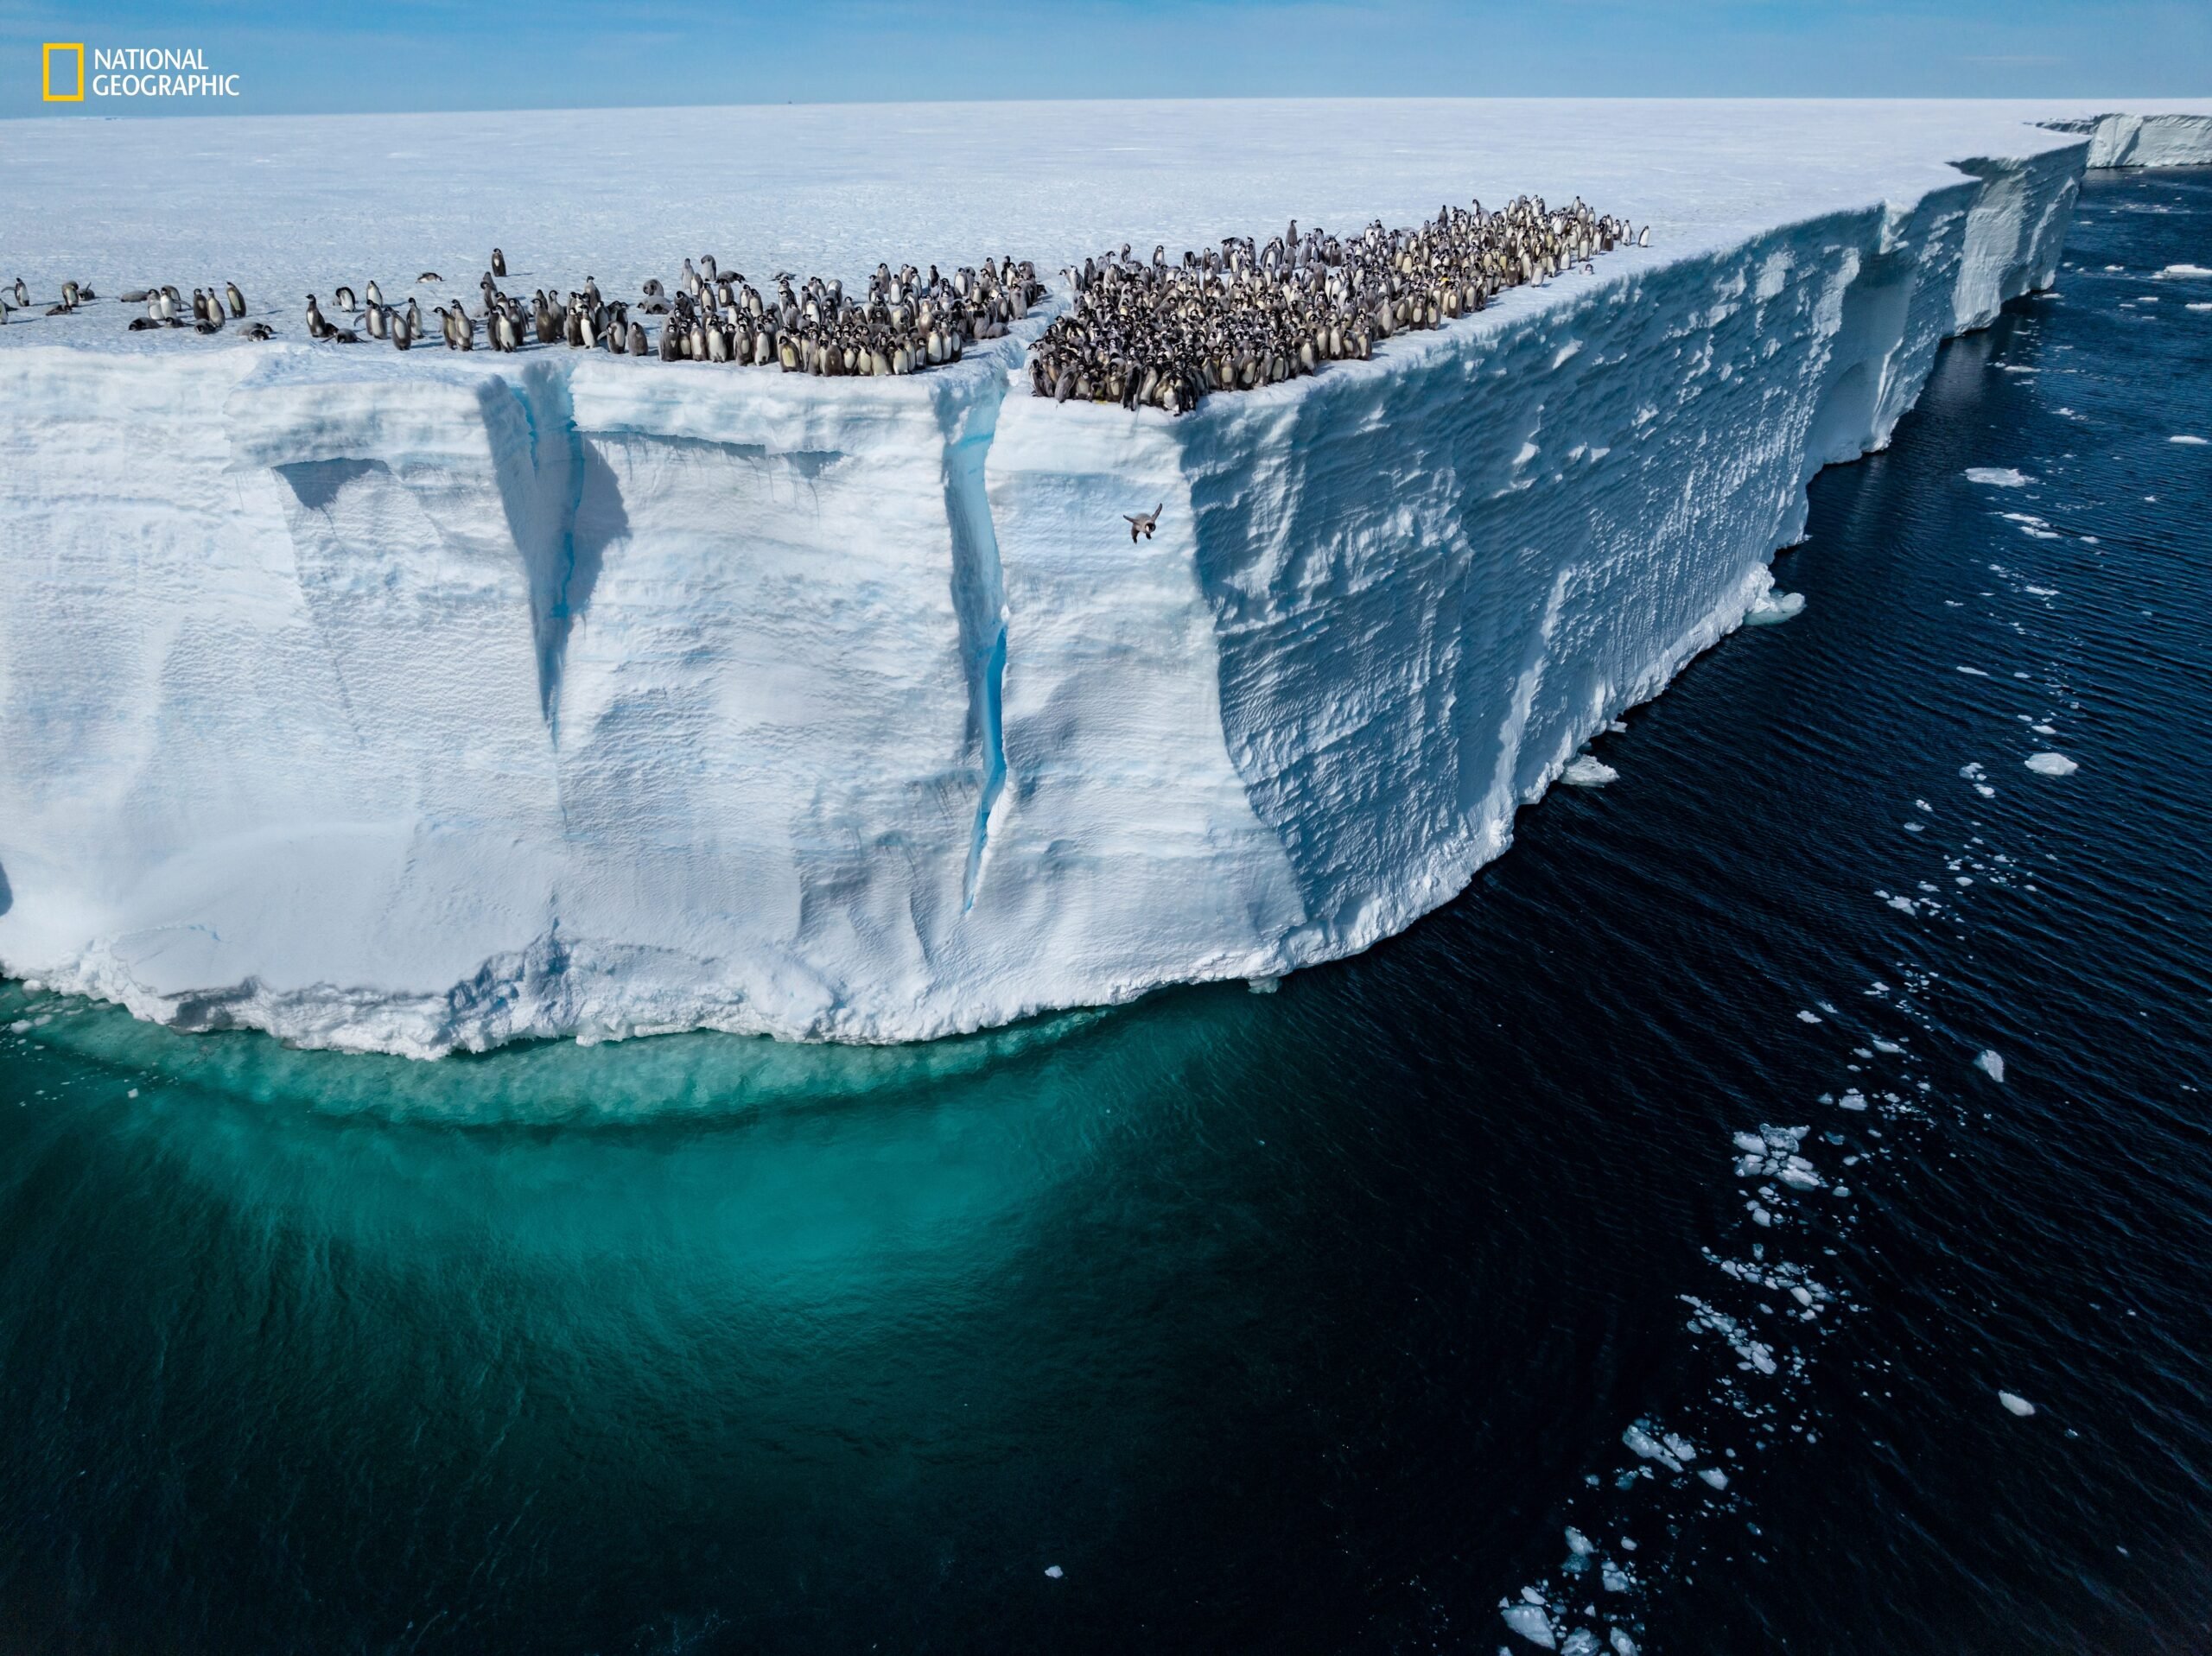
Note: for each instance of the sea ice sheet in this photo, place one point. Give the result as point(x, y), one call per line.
point(427, 702)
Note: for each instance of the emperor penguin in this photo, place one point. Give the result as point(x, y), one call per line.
point(1644, 239)
point(1144, 523)
point(403, 337)
point(499, 263)
point(22, 296)
point(637, 339)
point(237, 299)
point(414, 317)
point(344, 298)
point(375, 292)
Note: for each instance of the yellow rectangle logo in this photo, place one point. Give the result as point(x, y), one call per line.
point(52, 95)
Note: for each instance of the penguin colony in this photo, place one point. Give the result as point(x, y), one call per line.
point(1162, 335)
point(907, 322)
point(1142, 334)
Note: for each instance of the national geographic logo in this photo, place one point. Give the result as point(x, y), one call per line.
point(130, 72)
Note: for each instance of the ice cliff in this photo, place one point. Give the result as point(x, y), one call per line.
point(429, 702)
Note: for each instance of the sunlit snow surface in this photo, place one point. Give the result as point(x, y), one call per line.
point(425, 701)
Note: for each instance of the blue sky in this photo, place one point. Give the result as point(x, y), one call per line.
point(404, 54)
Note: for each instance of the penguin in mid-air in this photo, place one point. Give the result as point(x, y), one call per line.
point(1144, 521)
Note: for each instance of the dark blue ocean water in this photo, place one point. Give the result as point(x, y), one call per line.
point(1307, 1322)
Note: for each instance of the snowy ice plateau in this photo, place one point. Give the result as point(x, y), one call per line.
point(427, 702)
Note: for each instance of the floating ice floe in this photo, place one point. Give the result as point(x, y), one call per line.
point(1999, 476)
point(2051, 764)
point(1622, 1645)
point(1054, 1572)
point(1773, 608)
point(1991, 1065)
point(2173, 271)
point(2202, 304)
point(1263, 985)
point(1588, 771)
point(1808, 1017)
point(1973, 672)
point(1754, 1353)
point(1530, 1622)
point(2016, 1404)
point(1640, 1442)
point(2198, 442)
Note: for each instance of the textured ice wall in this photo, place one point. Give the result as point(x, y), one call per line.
point(2138, 140)
point(408, 705)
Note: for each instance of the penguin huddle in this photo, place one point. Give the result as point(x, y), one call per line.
point(1164, 335)
point(1143, 333)
point(907, 322)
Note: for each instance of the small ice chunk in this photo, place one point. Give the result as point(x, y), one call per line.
point(1263, 985)
point(1616, 1579)
point(1773, 608)
point(1578, 1542)
point(1999, 476)
point(1751, 1144)
point(1991, 1065)
point(2172, 270)
point(2016, 1404)
point(1532, 1624)
point(1581, 1642)
point(1642, 1442)
point(1713, 1476)
point(1588, 771)
point(1622, 1645)
point(1809, 1018)
point(2194, 442)
point(1054, 1572)
point(2051, 764)
point(1973, 672)
point(1680, 1446)
point(2205, 304)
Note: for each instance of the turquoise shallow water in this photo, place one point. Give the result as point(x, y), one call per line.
point(1307, 1321)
